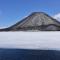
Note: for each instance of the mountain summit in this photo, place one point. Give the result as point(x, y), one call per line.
point(36, 21)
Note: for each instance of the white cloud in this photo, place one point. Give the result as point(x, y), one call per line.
point(2, 27)
point(57, 16)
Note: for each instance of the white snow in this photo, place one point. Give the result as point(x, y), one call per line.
point(30, 40)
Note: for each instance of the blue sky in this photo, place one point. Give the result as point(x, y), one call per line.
point(12, 11)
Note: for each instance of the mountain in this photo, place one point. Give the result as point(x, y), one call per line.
point(36, 21)
point(57, 16)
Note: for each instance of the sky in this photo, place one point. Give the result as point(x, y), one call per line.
point(12, 11)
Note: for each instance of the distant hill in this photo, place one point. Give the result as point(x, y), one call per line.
point(39, 21)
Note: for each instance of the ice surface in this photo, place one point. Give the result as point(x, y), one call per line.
point(30, 40)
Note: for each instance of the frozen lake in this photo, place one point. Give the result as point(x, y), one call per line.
point(30, 40)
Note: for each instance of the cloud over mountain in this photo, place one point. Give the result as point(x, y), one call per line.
point(57, 16)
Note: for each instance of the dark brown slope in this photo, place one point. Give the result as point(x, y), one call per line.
point(35, 21)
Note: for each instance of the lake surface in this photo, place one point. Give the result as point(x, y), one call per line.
point(26, 54)
point(29, 45)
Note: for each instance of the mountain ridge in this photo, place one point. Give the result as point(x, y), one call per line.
point(35, 21)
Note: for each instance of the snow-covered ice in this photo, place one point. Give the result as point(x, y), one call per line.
point(30, 40)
